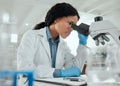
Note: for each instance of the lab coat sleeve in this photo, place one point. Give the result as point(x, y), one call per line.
point(82, 55)
point(79, 59)
point(25, 56)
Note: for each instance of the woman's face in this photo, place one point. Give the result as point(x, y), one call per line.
point(63, 27)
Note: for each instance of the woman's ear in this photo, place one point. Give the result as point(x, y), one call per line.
point(57, 20)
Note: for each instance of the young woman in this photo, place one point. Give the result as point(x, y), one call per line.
point(43, 49)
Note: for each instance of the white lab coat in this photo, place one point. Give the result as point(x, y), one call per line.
point(34, 54)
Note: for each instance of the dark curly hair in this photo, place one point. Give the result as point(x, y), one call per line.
point(59, 10)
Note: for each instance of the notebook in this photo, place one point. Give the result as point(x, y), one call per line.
point(82, 80)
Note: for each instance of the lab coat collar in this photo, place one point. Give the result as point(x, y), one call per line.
point(42, 33)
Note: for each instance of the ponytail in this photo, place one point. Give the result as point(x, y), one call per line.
point(39, 26)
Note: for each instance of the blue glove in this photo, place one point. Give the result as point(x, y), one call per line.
point(82, 39)
point(69, 72)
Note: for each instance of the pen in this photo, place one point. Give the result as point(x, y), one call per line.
point(26, 81)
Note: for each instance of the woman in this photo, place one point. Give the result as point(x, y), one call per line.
point(43, 49)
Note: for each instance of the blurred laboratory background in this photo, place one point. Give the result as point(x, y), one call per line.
point(18, 16)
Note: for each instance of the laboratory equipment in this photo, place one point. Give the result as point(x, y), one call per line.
point(103, 62)
point(98, 30)
point(103, 66)
point(10, 78)
point(82, 28)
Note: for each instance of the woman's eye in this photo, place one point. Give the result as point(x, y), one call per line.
point(70, 23)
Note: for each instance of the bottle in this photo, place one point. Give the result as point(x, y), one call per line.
point(103, 66)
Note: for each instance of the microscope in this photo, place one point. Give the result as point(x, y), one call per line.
point(99, 30)
point(103, 62)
